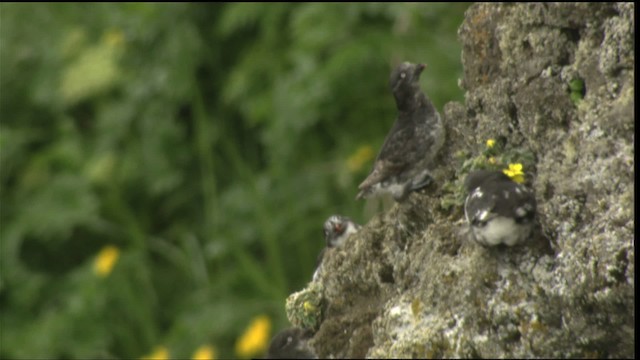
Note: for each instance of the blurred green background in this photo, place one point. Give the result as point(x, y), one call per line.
point(206, 142)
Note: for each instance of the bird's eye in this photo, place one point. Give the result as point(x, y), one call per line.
point(403, 75)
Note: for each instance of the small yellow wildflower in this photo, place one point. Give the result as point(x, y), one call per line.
point(360, 157)
point(105, 260)
point(515, 172)
point(113, 37)
point(255, 338)
point(491, 143)
point(308, 307)
point(159, 353)
point(204, 352)
point(491, 160)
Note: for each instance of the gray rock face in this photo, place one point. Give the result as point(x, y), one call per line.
point(410, 284)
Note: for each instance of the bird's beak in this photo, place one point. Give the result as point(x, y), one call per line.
point(338, 228)
point(420, 67)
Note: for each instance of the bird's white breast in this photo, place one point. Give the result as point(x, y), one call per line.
point(501, 230)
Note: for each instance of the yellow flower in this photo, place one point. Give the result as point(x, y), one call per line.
point(105, 260)
point(255, 338)
point(515, 172)
point(204, 352)
point(360, 157)
point(308, 307)
point(491, 143)
point(491, 160)
point(113, 37)
point(159, 353)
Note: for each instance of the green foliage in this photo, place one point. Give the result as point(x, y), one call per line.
point(208, 142)
point(498, 157)
point(576, 86)
point(304, 308)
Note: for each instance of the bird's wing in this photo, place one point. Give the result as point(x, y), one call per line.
point(396, 154)
point(480, 209)
point(524, 204)
point(399, 147)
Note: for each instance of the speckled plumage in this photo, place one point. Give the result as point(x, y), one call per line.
point(498, 210)
point(290, 343)
point(406, 157)
point(337, 229)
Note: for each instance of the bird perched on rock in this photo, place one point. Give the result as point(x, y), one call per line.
point(291, 343)
point(337, 229)
point(498, 210)
point(407, 154)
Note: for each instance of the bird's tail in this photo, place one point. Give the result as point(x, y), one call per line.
point(363, 194)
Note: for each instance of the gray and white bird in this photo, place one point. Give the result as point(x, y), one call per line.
point(337, 229)
point(498, 210)
point(291, 343)
point(406, 158)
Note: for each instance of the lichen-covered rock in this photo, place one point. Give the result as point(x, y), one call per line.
point(304, 308)
point(556, 80)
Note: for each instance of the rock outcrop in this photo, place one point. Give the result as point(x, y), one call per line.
point(557, 81)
